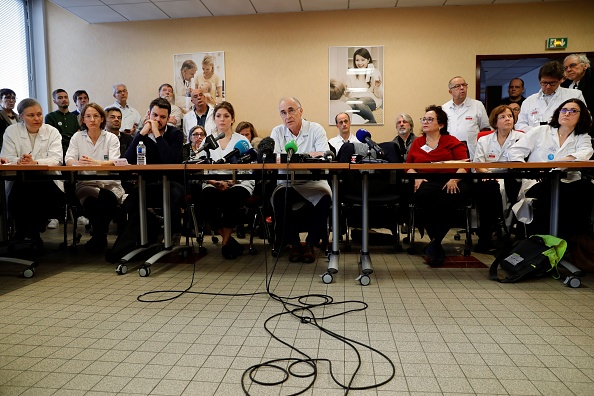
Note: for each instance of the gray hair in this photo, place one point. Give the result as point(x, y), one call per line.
point(450, 82)
point(115, 87)
point(407, 118)
point(290, 98)
point(582, 58)
point(26, 103)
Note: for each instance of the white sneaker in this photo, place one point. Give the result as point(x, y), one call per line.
point(82, 221)
point(53, 223)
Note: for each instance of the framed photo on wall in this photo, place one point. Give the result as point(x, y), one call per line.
point(200, 70)
point(357, 84)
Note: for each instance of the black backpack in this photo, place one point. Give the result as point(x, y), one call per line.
point(524, 260)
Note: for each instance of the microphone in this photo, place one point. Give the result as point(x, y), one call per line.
point(248, 157)
point(329, 156)
point(210, 143)
point(364, 136)
point(291, 148)
point(240, 148)
point(265, 149)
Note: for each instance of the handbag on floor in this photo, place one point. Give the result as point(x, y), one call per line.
point(529, 258)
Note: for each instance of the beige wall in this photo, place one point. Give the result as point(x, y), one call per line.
point(271, 56)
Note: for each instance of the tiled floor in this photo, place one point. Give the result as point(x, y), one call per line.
point(77, 328)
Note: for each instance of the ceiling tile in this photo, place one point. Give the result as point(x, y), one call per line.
point(317, 5)
point(79, 3)
point(229, 7)
point(113, 2)
point(140, 12)
point(362, 4)
point(183, 8)
point(276, 6)
point(97, 14)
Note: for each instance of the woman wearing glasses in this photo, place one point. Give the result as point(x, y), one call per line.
point(565, 138)
point(7, 114)
point(489, 192)
point(436, 200)
point(92, 145)
point(31, 142)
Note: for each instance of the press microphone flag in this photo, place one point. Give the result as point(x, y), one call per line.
point(248, 157)
point(290, 148)
point(239, 149)
point(211, 142)
point(364, 136)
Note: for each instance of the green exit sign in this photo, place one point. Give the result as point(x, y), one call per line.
point(557, 43)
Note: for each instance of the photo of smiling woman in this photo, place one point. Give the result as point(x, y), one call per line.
point(360, 71)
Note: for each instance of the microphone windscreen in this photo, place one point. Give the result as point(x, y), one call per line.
point(330, 155)
point(266, 145)
point(242, 146)
point(362, 134)
point(291, 146)
point(220, 135)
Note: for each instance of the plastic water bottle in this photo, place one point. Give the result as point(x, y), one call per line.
point(141, 153)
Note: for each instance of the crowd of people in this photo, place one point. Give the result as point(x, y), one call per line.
point(552, 125)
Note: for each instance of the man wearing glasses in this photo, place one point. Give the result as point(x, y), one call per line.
point(309, 137)
point(131, 118)
point(466, 116)
point(538, 108)
point(201, 113)
point(7, 114)
point(579, 76)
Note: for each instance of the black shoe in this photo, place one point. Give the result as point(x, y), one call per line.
point(434, 254)
point(229, 252)
point(296, 255)
point(96, 244)
point(308, 254)
point(236, 246)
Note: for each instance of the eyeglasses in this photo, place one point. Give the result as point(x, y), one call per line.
point(92, 117)
point(9, 98)
point(290, 112)
point(569, 111)
point(516, 109)
point(122, 91)
point(504, 116)
point(571, 66)
point(549, 83)
point(199, 134)
point(427, 120)
point(457, 86)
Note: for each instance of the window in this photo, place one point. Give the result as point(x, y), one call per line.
point(14, 64)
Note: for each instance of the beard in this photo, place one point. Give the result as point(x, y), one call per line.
point(402, 131)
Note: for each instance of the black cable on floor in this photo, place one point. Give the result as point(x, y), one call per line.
point(302, 310)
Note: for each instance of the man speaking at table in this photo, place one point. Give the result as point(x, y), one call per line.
point(309, 137)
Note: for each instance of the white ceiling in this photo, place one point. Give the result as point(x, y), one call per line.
point(101, 11)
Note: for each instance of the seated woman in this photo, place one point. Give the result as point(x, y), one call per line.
point(565, 138)
point(222, 200)
point(491, 193)
point(247, 129)
point(437, 199)
point(31, 142)
point(197, 135)
point(92, 145)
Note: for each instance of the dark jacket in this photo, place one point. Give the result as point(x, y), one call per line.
point(166, 150)
point(586, 85)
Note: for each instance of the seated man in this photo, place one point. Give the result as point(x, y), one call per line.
point(310, 137)
point(163, 146)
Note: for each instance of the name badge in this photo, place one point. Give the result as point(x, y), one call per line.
point(468, 118)
point(426, 148)
point(492, 156)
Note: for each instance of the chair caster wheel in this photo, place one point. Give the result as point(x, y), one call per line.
point(215, 239)
point(406, 240)
point(327, 278)
point(466, 252)
point(121, 269)
point(202, 250)
point(347, 247)
point(572, 281)
point(144, 271)
point(28, 273)
point(252, 251)
point(457, 237)
point(364, 280)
